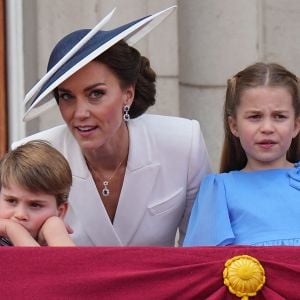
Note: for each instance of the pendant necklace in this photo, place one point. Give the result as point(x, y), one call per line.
point(105, 190)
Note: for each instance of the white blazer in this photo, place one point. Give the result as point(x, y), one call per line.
point(166, 163)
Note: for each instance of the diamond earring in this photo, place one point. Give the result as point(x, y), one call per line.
point(126, 115)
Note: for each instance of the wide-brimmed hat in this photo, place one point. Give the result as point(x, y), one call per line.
point(77, 49)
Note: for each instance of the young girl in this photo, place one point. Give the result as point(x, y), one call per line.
point(35, 181)
point(256, 198)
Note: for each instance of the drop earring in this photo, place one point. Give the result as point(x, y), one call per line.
point(126, 115)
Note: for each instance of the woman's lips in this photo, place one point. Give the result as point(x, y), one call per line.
point(85, 130)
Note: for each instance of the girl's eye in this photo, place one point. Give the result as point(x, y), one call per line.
point(280, 117)
point(254, 117)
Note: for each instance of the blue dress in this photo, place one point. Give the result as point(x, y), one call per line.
point(259, 208)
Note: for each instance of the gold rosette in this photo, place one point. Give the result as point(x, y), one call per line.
point(244, 276)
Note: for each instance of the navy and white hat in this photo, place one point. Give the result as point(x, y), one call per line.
point(79, 48)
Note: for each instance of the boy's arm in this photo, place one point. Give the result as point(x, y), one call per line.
point(16, 233)
point(54, 233)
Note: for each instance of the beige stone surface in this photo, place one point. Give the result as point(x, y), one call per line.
point(206, 106)
point(215, 37)
point(167, 97)
point(281, 38)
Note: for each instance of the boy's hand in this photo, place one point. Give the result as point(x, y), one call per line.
point(16, 233)
point(54, 232)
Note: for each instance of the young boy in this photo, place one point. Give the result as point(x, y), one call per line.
point(35, 181)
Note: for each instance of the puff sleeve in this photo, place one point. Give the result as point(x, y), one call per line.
point(209, 224)
point(198, 167)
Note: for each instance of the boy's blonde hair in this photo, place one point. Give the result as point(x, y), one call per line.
point(37, 167)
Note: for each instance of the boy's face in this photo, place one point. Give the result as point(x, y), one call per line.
point(30, 209)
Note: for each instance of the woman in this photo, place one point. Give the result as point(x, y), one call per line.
point(135, 176)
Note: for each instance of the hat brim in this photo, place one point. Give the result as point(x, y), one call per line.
point(37, 102)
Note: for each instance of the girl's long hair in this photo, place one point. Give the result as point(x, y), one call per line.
point(260, 74)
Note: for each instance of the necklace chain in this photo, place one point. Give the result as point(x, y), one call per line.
point(105, 190)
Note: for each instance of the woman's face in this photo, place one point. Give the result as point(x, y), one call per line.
point(91, 103)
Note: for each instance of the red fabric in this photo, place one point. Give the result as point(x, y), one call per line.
point(140, 272)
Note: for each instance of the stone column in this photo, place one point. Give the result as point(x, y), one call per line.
point(216, 39)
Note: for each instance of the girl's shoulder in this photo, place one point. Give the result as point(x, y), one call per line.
point(256, 177)
point(237, 176)
point(223, 176)
point(218, 178)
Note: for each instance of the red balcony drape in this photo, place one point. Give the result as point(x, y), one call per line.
point(140, 272)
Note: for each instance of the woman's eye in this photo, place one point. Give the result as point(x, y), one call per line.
point(64, 96)
point(96, 94)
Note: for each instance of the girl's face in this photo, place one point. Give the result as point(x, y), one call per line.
point(265, 123)
point(30, 209)
point(91, 102)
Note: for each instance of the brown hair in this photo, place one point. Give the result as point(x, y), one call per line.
point(130, 68)
point(260, 74)
point(37, 167)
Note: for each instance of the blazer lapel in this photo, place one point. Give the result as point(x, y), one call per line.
point(140, 176)
point(139, 179)
point(86, 201)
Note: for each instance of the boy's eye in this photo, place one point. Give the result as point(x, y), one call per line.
point(11, 201)
point(36, 205)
